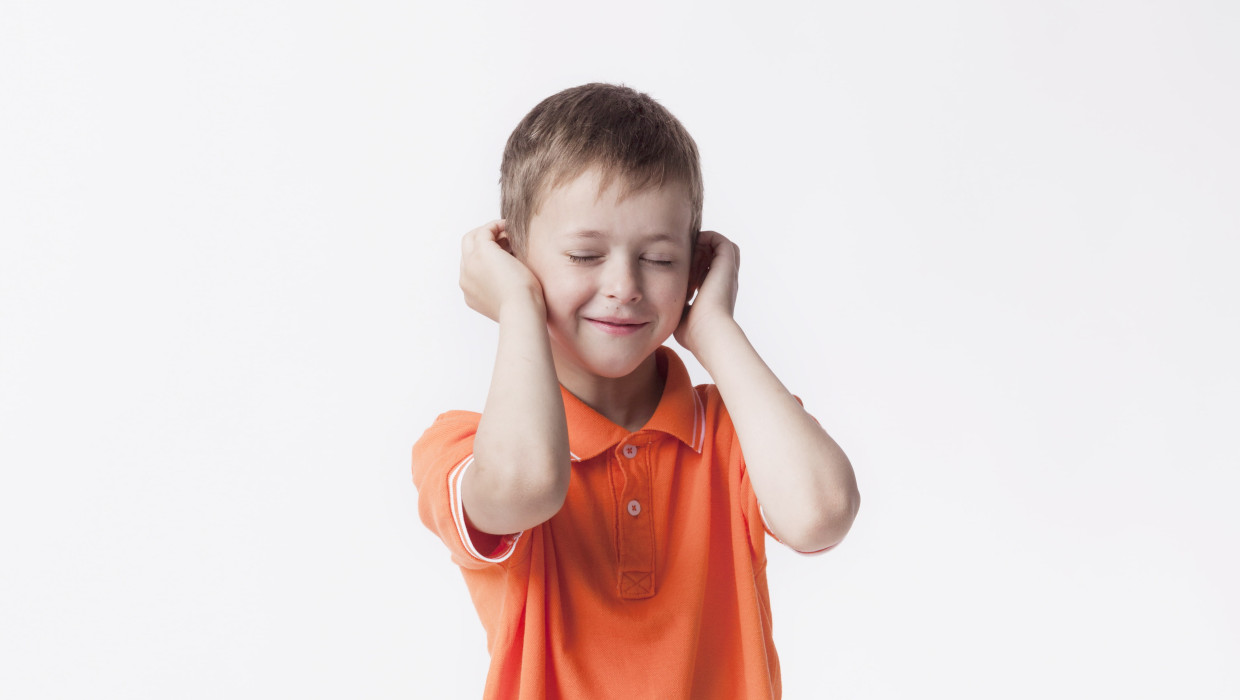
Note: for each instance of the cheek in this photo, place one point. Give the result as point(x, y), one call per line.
point(672, 300)
point(563, 296)
point(676, 289)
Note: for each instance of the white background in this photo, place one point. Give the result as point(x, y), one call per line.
point(992, 245)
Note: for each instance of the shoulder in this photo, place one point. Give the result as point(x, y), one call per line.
point(449, 438)
point(715, 420)
point(451, 424)
point(714, 410)
point(457, 418)
point(440, 458)
point(712, 401)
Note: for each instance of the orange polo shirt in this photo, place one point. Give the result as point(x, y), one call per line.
point(650, 582)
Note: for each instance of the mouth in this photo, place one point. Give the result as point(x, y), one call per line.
point(617, 326)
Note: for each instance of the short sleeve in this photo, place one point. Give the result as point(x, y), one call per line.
point(752, 499)
point(440, 459)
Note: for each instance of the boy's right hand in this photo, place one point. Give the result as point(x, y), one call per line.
point(491, 275)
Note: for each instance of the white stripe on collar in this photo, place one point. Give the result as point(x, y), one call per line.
point(699, 422)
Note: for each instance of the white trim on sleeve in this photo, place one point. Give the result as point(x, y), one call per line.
point(456, 478)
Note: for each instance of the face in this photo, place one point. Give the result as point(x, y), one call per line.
point(614, 274)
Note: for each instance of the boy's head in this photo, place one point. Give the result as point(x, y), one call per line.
point(602, 192)
point(622, 133)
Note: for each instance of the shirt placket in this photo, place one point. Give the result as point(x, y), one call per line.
point(635, 516)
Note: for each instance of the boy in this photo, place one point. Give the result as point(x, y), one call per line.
point(606, 521)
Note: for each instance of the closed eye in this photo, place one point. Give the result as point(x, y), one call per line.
point(581, 259)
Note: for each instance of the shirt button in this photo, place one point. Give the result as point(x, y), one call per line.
point(630, 451)
point(634, 508)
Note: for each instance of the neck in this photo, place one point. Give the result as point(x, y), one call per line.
point(627, 401)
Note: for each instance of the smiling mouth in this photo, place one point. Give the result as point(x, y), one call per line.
point(616, 326)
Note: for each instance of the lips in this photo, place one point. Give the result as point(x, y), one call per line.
point(618, 321)
point(617, 326)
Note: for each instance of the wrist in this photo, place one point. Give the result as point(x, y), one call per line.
point(712, 340)
point(523, 304)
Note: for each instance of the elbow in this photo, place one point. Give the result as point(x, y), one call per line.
point(831, 522)
point(518, 496)
point(545, 493)
point(543, 484)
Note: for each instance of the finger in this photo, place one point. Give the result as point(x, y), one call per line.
point(498, 228)
point(705, 249)
point(492, 231)
point(713, 242)
point(505, 242)
point(714, 249)
point(487, 233)
point(724, 250)
point(701, 267)
point(712, 239)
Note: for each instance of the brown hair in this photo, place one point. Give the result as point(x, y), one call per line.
point(623, 132)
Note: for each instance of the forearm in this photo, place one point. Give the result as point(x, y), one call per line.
point(802, 478)
point(520, 472)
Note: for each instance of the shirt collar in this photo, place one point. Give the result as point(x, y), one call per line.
point(680, 413)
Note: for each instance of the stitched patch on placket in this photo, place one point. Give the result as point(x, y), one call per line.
point(636, 584)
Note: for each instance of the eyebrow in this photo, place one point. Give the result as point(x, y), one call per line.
point(652, 238)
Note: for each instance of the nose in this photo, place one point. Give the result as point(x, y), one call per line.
point(621, 281)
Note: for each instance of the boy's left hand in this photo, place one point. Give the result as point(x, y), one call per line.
point(716, 265)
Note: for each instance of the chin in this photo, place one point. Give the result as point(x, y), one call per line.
point(616, 369)
point(611, 366)
point(606, 358)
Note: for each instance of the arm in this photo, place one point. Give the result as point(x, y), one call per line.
point(519, 476)
point(800, 475)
